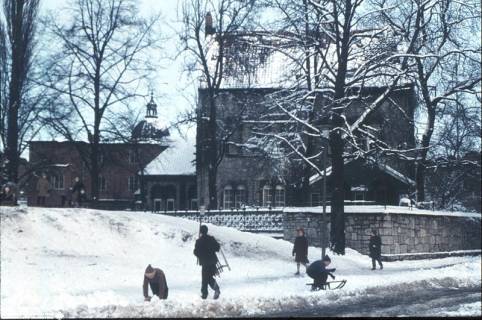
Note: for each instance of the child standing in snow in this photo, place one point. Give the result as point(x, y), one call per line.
point(375, 247)
point(300, 250)
point(157, 281)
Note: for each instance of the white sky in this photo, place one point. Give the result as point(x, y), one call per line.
point(172, 91)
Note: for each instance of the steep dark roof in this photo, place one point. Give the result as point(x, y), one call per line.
point(150, 129)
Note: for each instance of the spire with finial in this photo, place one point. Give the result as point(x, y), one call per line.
point(151, 108)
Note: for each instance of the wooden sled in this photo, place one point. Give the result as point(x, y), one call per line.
point(331, 285)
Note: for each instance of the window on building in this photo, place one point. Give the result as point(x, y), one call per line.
point(193, 204)
point(267, 196)
point(359, 192)
point(228, 197)
point(57, 181)
point(279, 196)
point(232, 149)
point(240, 196)
point(170, 204)
point(132, 156)
point(102, 183)
point(133, 183)
point(315, 199)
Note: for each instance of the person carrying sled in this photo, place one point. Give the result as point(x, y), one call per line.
point(319, 273)
point(157, 281)
point(300, 250)
point(205, 250)
point(375, 248)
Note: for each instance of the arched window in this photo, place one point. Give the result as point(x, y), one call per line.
point(279, 196)
point(240, 196)
point(267, 196)
point(228, 197)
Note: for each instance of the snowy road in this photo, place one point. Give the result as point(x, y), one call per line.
point(396, 301)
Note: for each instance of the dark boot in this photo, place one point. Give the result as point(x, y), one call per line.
point(217, 292)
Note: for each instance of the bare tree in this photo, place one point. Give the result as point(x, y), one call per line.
point(338, 52)
point(453, 167)
point(204, 44)
point(441, 34)
point(16, 54)
point(102, 61)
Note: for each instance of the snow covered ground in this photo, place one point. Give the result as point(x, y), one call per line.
point(90, 263)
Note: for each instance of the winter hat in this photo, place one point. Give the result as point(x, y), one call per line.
point(203, 229)
point(326, 258)
point(149, 269)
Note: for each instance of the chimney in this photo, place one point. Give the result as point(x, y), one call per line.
point(209, 24)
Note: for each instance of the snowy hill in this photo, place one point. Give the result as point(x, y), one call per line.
point(87, 263)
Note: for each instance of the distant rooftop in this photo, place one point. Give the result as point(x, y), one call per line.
point(177, 159)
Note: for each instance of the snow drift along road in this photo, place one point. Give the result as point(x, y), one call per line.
point(90, 263)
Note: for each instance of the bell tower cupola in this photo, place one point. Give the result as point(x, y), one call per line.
point(151, 111)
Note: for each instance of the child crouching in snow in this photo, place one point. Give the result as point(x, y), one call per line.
point(319, 272)
point(157, 281)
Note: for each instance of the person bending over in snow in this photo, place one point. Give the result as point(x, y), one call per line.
point(205, 249)
point(300, 250)
point(157, 281)
point(375, 246)
point(318, 271)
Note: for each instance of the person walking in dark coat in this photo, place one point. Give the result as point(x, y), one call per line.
point(205, 250)
point(375, 247)
point(300, 250)
point(319, 272)
point(78, 191)
point(157, 281)
point(8, 196)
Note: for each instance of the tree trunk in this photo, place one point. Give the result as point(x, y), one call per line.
point(421, 163)
point(420, 181)
point(337, 194)
point(94, 169)
point(212, 153)
point(337, 144)
point(15, 91)
point(94, 143)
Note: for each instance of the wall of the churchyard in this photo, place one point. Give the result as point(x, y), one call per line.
point(402, 231)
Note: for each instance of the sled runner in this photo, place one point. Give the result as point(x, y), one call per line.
point(331, 285)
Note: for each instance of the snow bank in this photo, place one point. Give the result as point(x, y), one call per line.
point(90, 263)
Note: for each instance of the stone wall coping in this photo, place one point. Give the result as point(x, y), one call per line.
point(380, 209)
point(475, 251)
point(228, 211)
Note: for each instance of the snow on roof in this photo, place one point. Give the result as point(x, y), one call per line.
point(177, 159)
point(384, 167)
point(158, 122)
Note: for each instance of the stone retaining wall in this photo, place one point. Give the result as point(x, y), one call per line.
point(400, 232)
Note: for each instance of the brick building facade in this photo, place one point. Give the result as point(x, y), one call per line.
point(62, 162)
point(153, 171)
